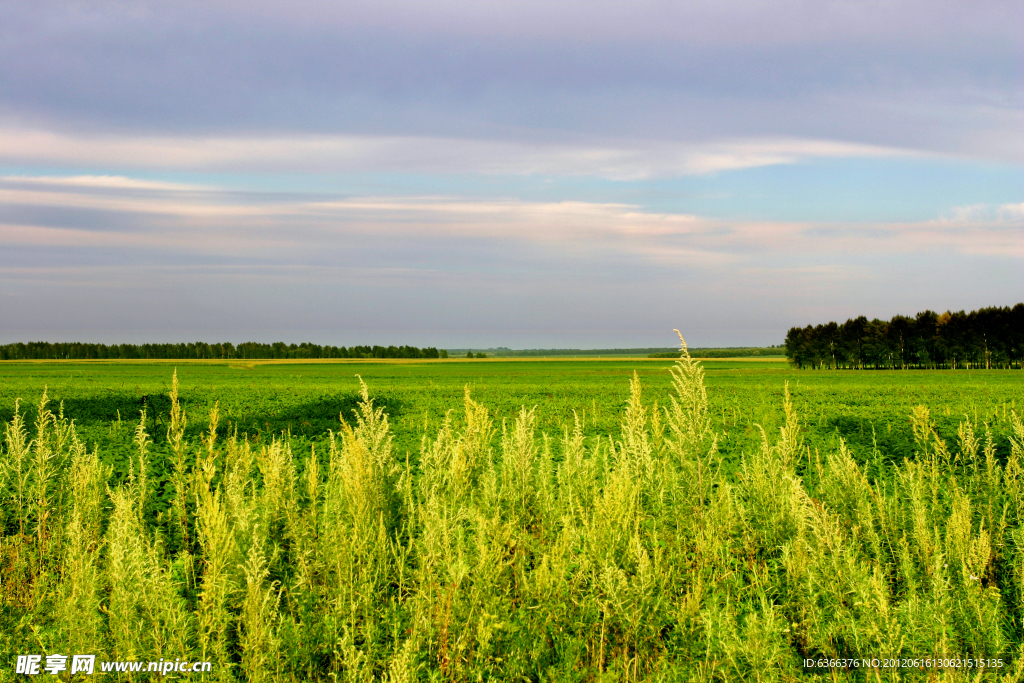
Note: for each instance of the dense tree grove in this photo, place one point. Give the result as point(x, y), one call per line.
point(986, 338)
point(202, 350)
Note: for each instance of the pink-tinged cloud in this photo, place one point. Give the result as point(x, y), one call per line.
point(196, 219)
point(613, 158)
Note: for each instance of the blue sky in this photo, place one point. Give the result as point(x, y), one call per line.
point(525, 174)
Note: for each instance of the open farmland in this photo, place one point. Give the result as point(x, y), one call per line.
point(304, 400)
point(510, 541)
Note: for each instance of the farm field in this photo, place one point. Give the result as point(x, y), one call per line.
point(511, 541)
point(264, 399)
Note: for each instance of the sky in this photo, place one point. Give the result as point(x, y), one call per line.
point(529, 174)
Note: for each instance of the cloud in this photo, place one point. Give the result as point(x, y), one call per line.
point(196, 219)
point(131, 255)
point(494, 127)
point(733, 21)
point(105, 182)
point(1011, 212)
point(614, 159)
point(218, 223)
point(940, 77)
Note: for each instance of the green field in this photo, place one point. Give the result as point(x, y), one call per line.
point(265, 399)
point(728, 537)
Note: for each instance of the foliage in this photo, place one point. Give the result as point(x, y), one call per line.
point(729, 352)
point(698, 352)
point(505, 352)
point(202, 350)
point(505, 553)
point(986, 338)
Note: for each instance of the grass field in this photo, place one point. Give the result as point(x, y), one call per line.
point(556, 526)
point(264, 399)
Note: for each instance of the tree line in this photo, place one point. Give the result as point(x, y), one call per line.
point(203, 351)
point(724, 352)
point(986, 338)
point(585, 352)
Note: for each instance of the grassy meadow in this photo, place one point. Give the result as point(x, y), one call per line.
point(539, 520)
